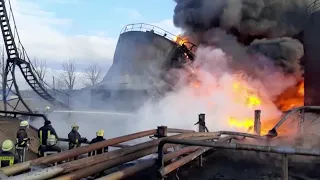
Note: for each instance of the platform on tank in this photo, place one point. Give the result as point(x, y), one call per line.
point(8, 129)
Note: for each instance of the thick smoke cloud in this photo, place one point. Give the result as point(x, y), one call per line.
point(261, 24)
point(285, 52)
point(276, 18)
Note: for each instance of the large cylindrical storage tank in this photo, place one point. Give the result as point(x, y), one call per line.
point(312, 58)
point(143, 55)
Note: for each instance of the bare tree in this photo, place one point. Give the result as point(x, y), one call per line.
point(68, 76)
point(92, 75)
point(40, 67)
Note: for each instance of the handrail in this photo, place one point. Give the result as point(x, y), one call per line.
point(25, 114)
point(313, 7)
point(273, 131)
point(159, 31)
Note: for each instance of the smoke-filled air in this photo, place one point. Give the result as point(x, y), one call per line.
point(248, 57)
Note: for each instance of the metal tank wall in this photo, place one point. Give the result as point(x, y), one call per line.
point(312, 60)
point(140, 59)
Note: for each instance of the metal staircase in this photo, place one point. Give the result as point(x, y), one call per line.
point(20, 59)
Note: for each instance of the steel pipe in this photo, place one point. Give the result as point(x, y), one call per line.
point(273, 131)
point(247, 147)
point(115, 145)
point(175, 130)
point(171, 167)
point(82, 173)
point(146, 164)
point(11, 170)
point(82, 163)
point(231, 133)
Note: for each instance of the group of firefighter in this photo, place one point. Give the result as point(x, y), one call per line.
point(48, 143)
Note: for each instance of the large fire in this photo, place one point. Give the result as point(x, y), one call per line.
point(291, 98)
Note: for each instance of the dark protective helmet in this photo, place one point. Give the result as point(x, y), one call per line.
point(47, 122)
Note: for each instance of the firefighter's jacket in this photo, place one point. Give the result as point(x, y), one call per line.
point(52, 149)
point(98, 151)
point(44, 132)
point(22, 139)
point(74, 138)
point(8, 159)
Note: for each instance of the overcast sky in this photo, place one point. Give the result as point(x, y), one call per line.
point(84, 30)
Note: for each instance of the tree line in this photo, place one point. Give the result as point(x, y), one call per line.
point(66, 79)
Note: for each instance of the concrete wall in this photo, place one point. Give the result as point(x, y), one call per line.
point(312, 60)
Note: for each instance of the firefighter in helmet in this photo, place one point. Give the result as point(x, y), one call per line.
point(23, 140)
point(7, 157)
point(75, 138)
point(45, 131)
point(50, 148)
point(99, 138)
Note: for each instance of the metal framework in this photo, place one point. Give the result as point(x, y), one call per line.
point(186, 47)
point(17, 57)
point(302, 109)
point(247, 147)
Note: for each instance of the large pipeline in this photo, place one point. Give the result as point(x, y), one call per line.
point(146, 164)
point(11, 170)
point(15, 169)
point(82, 173)
point(86, 162)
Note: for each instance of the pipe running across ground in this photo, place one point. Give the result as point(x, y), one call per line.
point(88, 162)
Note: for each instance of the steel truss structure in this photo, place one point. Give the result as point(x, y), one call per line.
point(17, 57)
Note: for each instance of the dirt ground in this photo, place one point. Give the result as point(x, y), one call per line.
point(8, 129)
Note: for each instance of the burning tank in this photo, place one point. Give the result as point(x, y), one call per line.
point(143, 56)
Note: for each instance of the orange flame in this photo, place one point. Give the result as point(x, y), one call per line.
point(180, 40)
point(291, 98)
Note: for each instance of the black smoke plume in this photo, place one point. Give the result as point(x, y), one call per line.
point(269, 27)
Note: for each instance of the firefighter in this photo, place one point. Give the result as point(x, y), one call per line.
point(74, 137)
point(99, 138)
point(22, 140)
point(45, 131)
point(7, 157)
point(50, 148)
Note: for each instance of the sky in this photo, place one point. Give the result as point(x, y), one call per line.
point(84, 30)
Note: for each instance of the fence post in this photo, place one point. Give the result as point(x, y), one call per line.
point(285, 167)
point(257, 122)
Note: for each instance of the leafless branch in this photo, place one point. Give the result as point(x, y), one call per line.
point(40, 68)
point(92, 75)
point(68, 77)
